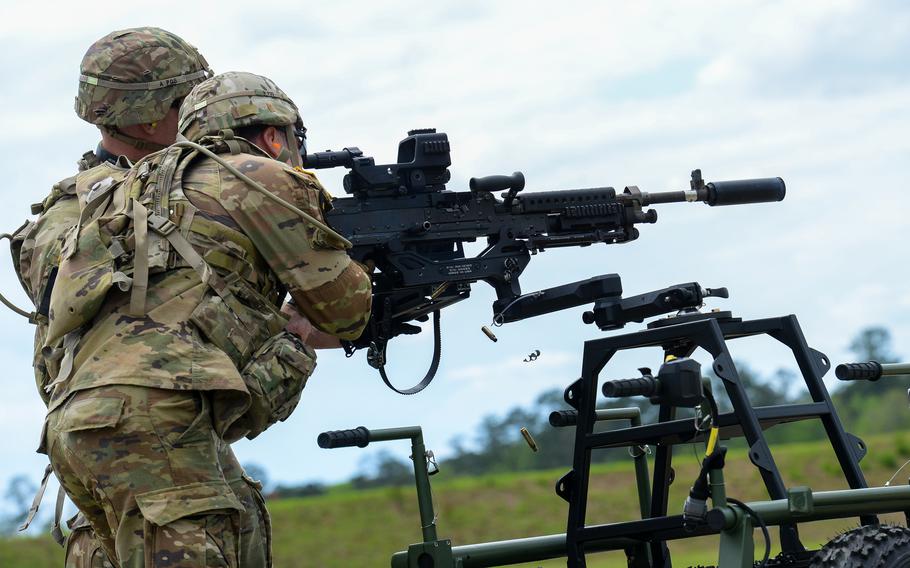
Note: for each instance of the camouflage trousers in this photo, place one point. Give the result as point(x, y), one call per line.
point(157, 486)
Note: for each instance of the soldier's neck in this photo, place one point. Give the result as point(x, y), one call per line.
point(120, 148)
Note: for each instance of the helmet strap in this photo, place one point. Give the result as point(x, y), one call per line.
point(138, 143)
point(284, 155)
point(292, 148)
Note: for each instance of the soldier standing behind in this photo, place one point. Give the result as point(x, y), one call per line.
point(167, 304)
point(131, 84)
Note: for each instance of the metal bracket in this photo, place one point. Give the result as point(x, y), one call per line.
point(823, 364)
point(724, 367)
point(565, 484)
point(857, 445)
point(436, 553)
point(799, 501)
point(571, 394)
point(761, 455)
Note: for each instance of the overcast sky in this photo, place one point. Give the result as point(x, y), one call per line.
point(574, 95)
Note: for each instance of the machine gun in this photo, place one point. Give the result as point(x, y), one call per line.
point(402, 219)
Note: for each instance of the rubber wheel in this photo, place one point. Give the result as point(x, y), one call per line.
point(884, 546)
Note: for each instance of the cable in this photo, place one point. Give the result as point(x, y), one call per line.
point(266, 193)
point(761, 523)
point(499, 319)
point(30, 315)
point(712, 403)
point(901, 468)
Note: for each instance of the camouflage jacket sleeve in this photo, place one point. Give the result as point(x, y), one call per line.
point(333, 292)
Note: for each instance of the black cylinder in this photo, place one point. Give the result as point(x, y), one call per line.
point(744, 191)
point(359, 437)
point(322, 160)
point(562, 418)
point(871, 371)
point(641, 386)
point(515, 181)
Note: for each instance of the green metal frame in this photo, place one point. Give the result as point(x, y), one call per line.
point(730, 521)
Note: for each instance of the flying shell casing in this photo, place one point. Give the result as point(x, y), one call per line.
point(529, 439)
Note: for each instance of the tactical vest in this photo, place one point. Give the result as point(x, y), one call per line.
point(142, 225)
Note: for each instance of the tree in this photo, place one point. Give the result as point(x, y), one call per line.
point(870, 344)
point(855, 399)
point(873, 344)
point(383, 469)
point(19, 495)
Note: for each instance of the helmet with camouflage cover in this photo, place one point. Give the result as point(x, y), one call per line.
point(134, 76)
point(235, 100)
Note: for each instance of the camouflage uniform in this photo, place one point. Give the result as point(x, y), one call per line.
point(137, 431)
point(111, 95)
point(38, 250)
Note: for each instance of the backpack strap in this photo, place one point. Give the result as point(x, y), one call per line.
point(169, 231)
point(140, 259)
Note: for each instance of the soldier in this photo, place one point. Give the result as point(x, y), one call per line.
point(167, 305)
point(131, 84)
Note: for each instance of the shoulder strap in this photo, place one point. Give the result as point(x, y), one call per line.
point(167, 229)
point(156, 219)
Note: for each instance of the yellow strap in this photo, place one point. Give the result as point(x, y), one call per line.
point(712, 441)
point(140, 260)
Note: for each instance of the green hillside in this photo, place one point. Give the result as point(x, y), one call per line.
point(349, 528)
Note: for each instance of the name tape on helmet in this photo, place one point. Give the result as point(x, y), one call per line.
point(149, 86)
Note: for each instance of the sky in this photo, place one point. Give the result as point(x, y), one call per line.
point(581, 95)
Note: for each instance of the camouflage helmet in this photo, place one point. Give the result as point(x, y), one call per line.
point(134, 76)
point(235, 100)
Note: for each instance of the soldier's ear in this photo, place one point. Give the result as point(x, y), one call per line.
point(275, 144)
point(148, 129)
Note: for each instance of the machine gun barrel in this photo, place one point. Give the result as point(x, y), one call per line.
point(736, 192)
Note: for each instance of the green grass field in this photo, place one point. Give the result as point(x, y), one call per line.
point(348, 528)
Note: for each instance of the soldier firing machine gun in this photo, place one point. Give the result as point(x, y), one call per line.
point(402, 218)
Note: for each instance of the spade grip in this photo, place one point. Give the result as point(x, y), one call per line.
point(359, 437)
point(640, 386)
point(871, 371)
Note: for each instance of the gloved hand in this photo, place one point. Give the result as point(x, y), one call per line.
point(367, 338)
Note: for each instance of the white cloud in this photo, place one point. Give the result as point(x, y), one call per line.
point(575, 95)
